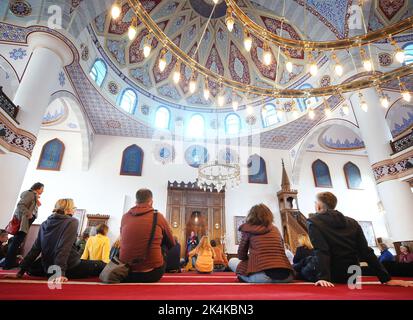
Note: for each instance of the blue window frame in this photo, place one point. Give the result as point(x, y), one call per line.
point(98, 72)
point(269, 115)
point(196, 127)
point(257, 170)
point(321, 173)
point(51, 155)
point(232, 124)
point(408, 52)
point(128, 101)
point(162, 118)
point(353, 176)
point(132, 161)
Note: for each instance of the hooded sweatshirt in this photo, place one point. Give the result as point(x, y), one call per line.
point(339, 243)
point(56, 243)
point(261, 249)
point(135, 232)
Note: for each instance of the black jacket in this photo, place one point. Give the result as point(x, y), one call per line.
point(56, 242)
point(338, 243)
point(301, 253)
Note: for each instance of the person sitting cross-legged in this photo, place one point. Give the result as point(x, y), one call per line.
point(220, 258)
point(202, 256)
point(98, 246)
point(261, 254)
point(339, 243)
point(55, 244)
point(145, 254)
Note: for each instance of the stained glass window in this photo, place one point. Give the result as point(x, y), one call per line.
point(408, 52)
point(353, 176)
point(128, 101)
point(52, 155)
point(321, 174)
point(162, 118)
point(132, 161)
point(232, 124)
point(269, 115)
point(257, 170)
point(196, 127)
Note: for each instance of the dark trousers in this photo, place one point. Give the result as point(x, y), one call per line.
point(395, 269)
point(13, 250)
point(85, 269)
point(146, 277)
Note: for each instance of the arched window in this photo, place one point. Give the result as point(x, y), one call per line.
point(321, 174)
point(353, 176)
point(98, 72)
point(408, 52)
point(196, 127)
point(232, 124)
point(162, 118)
point(269, 115)
point(257, 170)
point(132, 160)
point(51, 156)
point(304, 103)
point(128, 101)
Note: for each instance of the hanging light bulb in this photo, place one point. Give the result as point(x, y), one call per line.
point(400, 56)
point(162, 61)
point(192, 85)
point(345, 109)
point(116, 11)
point(384, 100)
point(311, 113)
point(177, 74)
point(215, 1)
point(289, 66)
point(406, 96)
point(363, 104)
point(338, 68)
point(313, 69)
point(234, 104)
point(133, 29)
point(147, 46)
point(250, 110)
point(267, 57)
point(247, 41)
point(221, 99)
point(367, 65)
point(206, 90)
point(229, 20)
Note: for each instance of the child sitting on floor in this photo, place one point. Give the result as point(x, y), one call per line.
point(202, 256)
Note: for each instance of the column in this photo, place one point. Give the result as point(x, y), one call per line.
point(395, 195)
point(49, 55)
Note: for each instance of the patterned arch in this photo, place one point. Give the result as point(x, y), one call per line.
point(51, 155)
point(132, 161)
point(321, 173)
point(353, 176)
point(257, 170)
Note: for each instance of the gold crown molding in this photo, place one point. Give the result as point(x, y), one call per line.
point(352, 42)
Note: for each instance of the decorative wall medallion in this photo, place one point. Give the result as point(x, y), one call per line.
point(325, 81)
point(196, 155)
point(385, 59)
point(84, 52)
point(114, 124)
point(251, 120)
point(113, 88)
point(17, 54)
point(20, 8)
point(145, 110)
point(164, 153)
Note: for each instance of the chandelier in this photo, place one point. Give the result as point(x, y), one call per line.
point(218, 175)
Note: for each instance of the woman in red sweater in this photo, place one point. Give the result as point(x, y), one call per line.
point(261, 251)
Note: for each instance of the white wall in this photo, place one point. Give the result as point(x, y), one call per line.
point(102, 190)
point(361, 205)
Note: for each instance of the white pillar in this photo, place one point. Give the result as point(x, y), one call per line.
point(395, 195)
point(49, 55)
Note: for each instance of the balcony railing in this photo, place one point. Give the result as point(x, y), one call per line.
point(402, 143)
point(7, 105)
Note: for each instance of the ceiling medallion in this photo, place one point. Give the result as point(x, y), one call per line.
point(164, 153)
point(113, 87)
point(113, 124)
point(20, 8)
point(385, 59)
point(84, 52)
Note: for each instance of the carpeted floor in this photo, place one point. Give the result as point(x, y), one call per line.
point(192, 286)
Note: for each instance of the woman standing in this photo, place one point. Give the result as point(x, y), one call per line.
point(261, 254)
point(26, 213)
point(203, 256)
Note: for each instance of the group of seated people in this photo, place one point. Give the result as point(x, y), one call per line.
point(147, 245)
